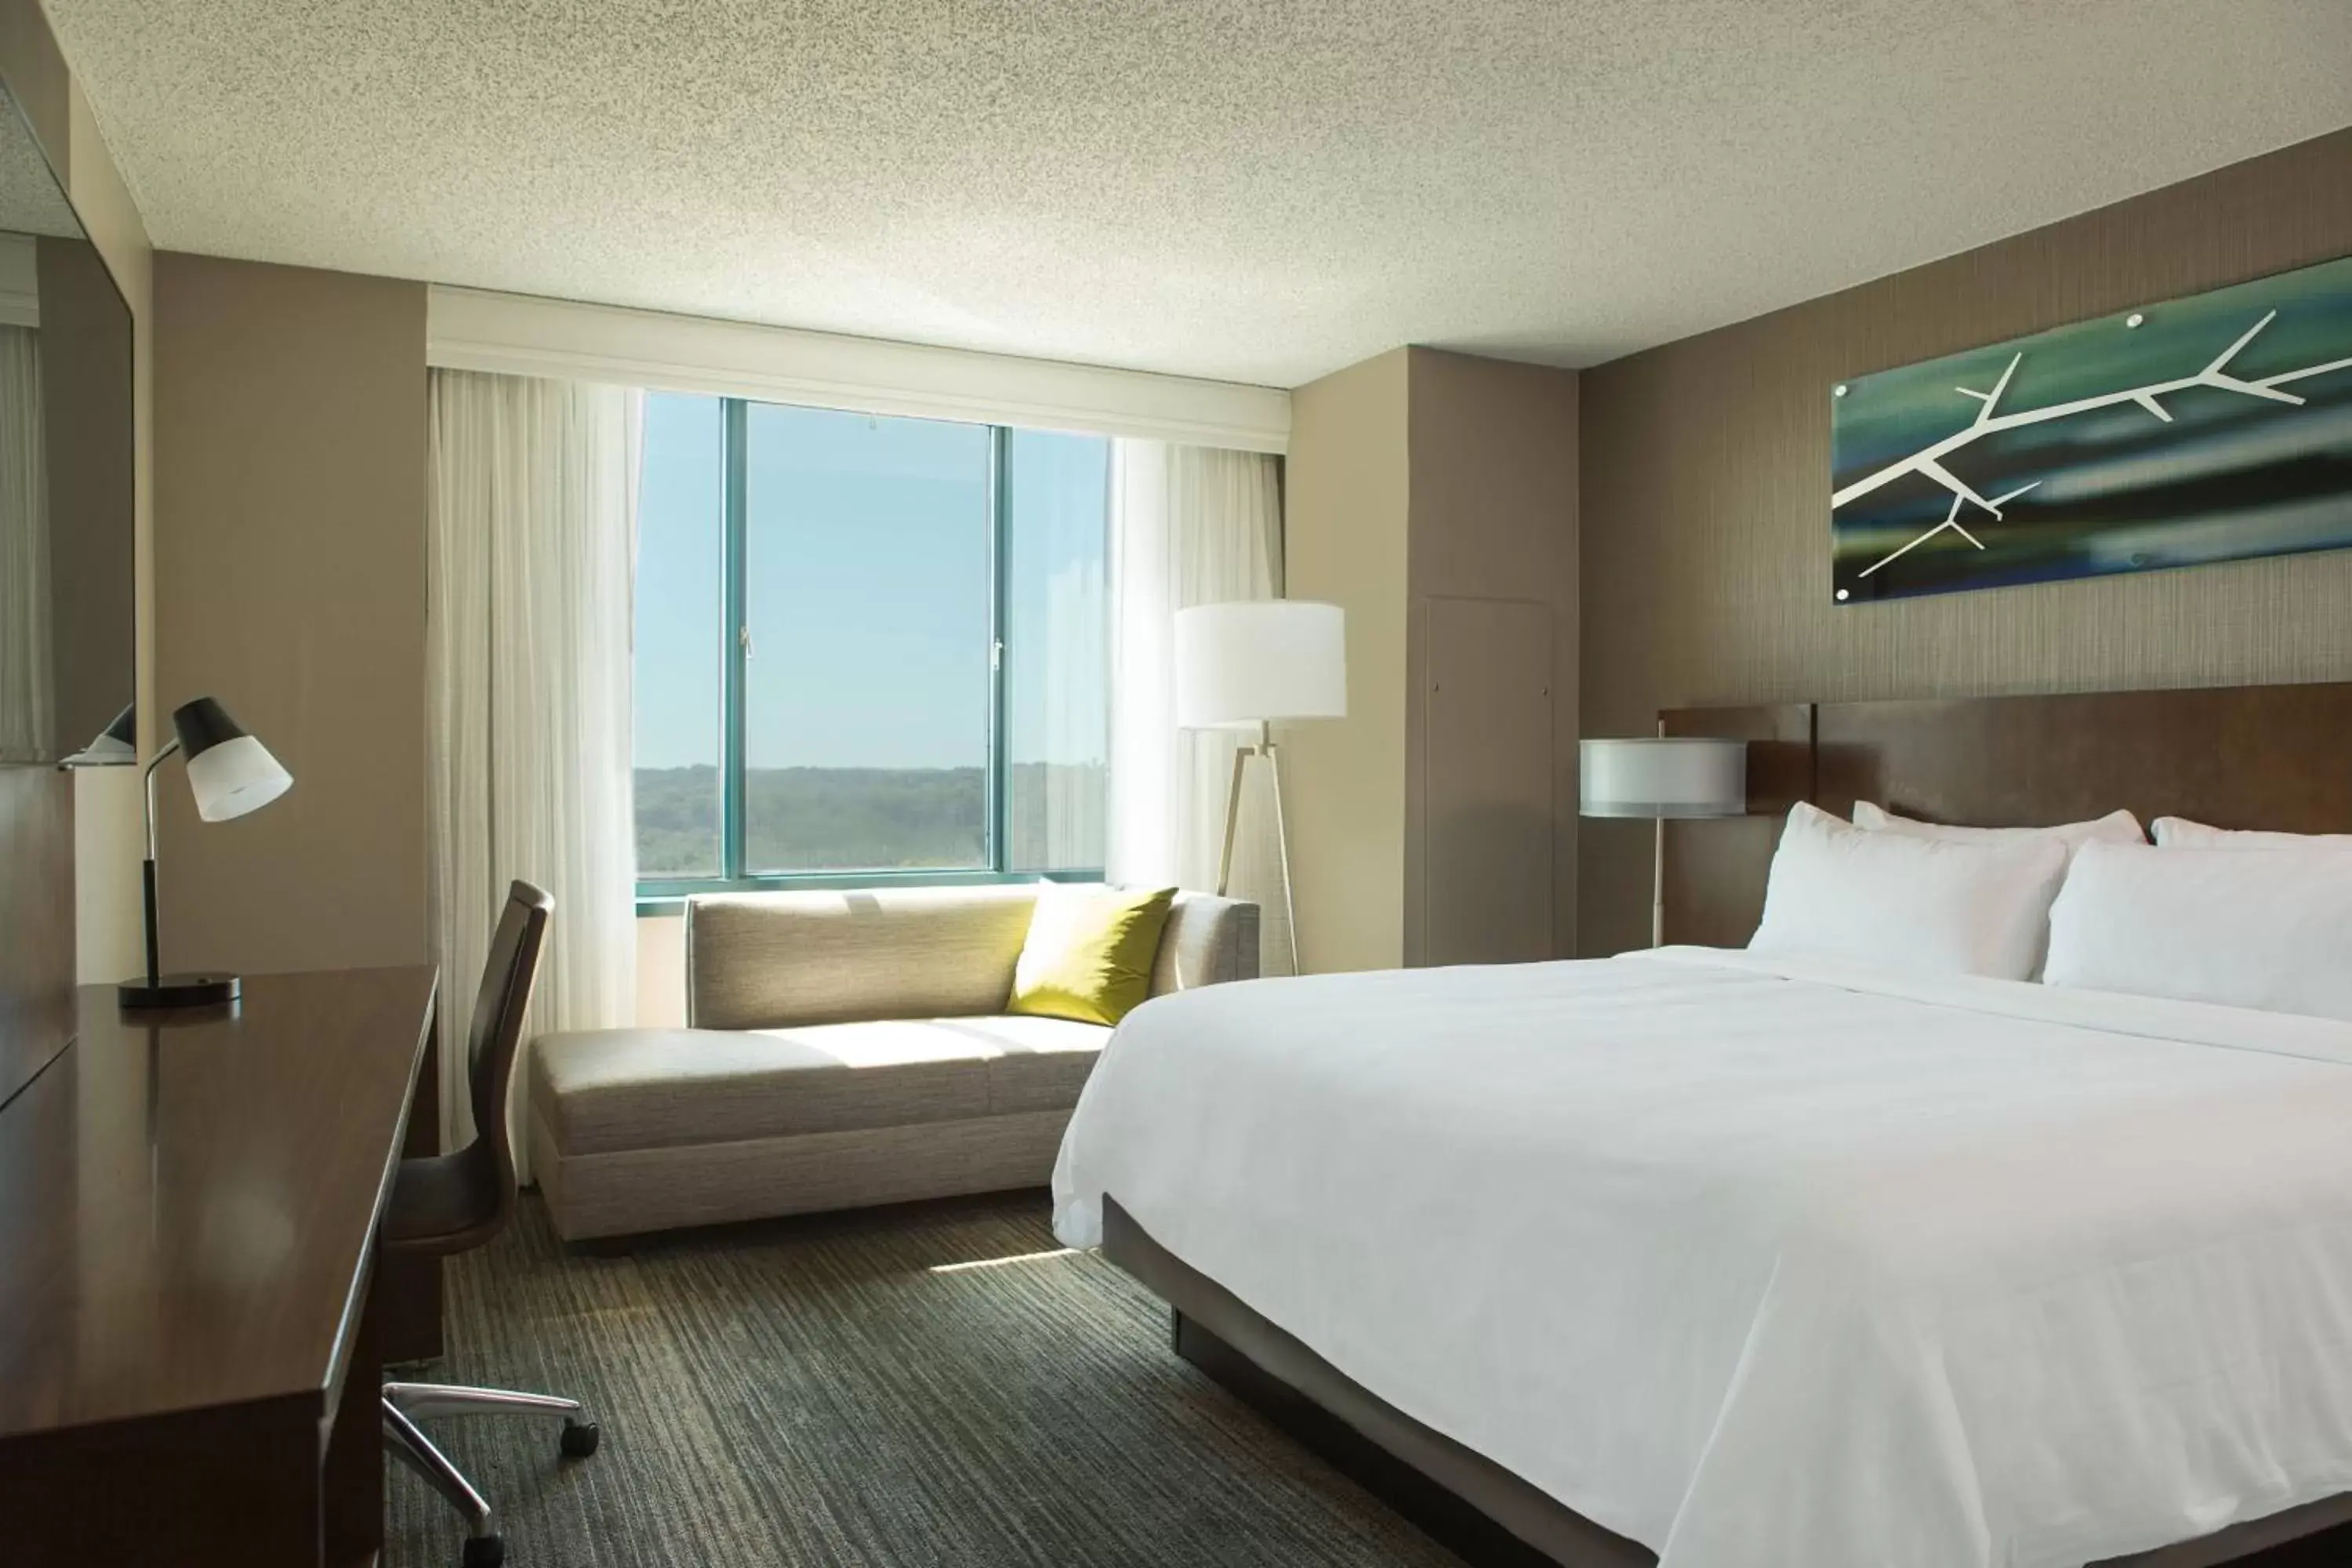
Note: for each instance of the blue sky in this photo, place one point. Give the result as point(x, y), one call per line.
point(869, 589)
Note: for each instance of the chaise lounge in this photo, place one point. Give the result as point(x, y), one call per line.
point(843, 1049)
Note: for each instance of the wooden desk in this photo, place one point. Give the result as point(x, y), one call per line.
point(189, 1339)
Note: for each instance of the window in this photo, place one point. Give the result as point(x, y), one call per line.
point(866, 646)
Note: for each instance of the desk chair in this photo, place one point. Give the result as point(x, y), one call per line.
point(455, 1202)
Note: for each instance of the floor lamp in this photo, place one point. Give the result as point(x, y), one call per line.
point(1252, 666)
point(1662, 778)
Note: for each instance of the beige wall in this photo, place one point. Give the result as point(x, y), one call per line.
point(111, 219)
point(1433, 496)
point(100, 470)
point(1706, 546)
point(1492, 541)
point(1344, 541)
point(289, 476)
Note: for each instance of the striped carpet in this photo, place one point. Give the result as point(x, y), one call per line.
point(928, 1385)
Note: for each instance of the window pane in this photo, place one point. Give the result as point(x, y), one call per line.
point(868, 690)
point(1057, 650)
point(679, 646)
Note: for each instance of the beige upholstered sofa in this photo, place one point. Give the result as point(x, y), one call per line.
point(844, 1049)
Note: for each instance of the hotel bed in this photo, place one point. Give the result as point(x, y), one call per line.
point(1727, 1259)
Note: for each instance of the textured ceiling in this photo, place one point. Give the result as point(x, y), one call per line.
point(30, 201)
point(1258, 190)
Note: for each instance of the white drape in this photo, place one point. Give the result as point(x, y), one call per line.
point(1189, 525)
point(28, 678)
point(532, 551)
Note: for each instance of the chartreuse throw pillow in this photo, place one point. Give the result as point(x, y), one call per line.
point(1089, 952)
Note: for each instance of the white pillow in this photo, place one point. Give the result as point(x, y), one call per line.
point(2245, 927)
point(2115, 828)
point(2180, 833)
point(1944, 906)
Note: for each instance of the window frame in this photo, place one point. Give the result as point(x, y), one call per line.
point(667, 895)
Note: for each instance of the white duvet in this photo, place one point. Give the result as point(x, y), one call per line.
point(1764, 1263)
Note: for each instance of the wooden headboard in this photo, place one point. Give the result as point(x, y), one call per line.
point(2236, 756)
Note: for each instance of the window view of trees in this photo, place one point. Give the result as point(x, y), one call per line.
point(858, 819)
point(920, 602)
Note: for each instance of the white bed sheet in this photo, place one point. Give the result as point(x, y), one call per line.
point(1765, 1262)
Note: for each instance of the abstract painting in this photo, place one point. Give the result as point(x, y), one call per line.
point(2209, 428)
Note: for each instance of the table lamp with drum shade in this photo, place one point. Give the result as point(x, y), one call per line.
point(1658, 779)
point(1251, 665)
point(230, 774)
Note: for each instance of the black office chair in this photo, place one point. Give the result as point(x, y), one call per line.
point(455, 1202)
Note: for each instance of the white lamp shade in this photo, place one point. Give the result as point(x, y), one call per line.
point(106, 752)
point(236, 776)
point(1655, 776)
point(1260, 661)
point(115, 746)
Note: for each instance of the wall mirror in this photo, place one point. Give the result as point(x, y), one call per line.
point(67, 572)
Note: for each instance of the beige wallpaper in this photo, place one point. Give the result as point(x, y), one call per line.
point(108, 821)
point(1706, 479)
point(289, 556)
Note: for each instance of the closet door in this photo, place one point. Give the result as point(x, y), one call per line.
point(1487, 786)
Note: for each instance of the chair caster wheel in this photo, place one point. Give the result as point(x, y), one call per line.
point(485, 1552)
point(579, 1441)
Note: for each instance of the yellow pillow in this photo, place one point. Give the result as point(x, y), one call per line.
point(1089, 952)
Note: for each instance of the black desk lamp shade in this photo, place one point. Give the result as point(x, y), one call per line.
point(230, 774)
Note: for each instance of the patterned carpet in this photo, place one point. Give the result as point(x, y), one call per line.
point(927, 1385)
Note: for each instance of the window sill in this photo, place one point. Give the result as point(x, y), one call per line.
point(667, 897)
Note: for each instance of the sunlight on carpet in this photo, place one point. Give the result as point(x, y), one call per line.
point(936, 1385)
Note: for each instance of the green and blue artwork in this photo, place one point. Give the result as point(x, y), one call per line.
point(2210, 429)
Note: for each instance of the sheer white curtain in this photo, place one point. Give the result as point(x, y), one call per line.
point(27, 681)
point(1057, 756)
point(1189, 525)
point(531, 546)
